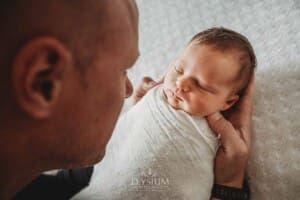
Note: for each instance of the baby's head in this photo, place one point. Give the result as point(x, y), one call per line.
point(211, 72)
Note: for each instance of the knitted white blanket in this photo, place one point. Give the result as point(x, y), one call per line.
point(156, 152)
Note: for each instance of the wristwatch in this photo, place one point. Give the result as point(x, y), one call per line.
point(230, 193)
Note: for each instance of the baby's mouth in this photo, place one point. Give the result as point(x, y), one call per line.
point(173, 95)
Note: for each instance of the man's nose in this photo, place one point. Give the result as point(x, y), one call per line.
point(129, 88)
point(184, 83)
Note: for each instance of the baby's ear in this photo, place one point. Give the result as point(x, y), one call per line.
point(230, 102)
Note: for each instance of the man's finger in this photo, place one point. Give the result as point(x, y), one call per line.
point(245, 104)
point(250, 88)
point(245, 108)
point(221, 126)
point(146, 84)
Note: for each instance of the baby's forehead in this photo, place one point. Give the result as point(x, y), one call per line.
point(223, 66)
point(214, 57)
point(234, 50)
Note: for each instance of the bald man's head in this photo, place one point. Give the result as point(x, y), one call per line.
point(87, 28)
point(79, 24)
point(43, 44)
point(52, 114)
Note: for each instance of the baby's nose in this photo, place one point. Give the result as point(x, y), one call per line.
point(184, 84)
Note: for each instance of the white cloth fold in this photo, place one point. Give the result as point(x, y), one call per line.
point(156, 152)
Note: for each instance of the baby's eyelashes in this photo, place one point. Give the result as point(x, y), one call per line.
point(200, 86)
point(178, 69)
point(197, 84)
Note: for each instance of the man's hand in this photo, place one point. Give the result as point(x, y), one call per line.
point(144, 86)
point(235, 131)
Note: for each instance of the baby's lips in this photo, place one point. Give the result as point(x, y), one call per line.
point(174, 95)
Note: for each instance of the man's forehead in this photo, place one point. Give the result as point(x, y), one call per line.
point(117, 15)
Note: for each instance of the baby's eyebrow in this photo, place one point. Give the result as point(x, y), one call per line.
point(180, 63)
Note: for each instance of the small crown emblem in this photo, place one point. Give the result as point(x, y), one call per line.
point(148, 173)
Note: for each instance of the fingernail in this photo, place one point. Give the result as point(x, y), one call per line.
point(151, 83)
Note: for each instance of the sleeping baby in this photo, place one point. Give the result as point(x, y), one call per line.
point(163, 148)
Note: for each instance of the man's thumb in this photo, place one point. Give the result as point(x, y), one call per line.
point(220, 125)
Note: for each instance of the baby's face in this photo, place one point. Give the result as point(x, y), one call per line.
point(200, 81)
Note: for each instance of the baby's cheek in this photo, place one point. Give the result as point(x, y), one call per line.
point(203, 105)
point(168, 82)
point(195, 105)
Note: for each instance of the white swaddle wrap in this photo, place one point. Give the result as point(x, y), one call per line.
point(156, 152)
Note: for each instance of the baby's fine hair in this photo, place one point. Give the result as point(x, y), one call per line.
point(224, 39)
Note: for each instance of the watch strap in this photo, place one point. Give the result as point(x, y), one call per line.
point(229, 193)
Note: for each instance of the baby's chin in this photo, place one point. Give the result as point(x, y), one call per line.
point(177, 104)
point(172, 101)
point(180, 104)
point(174, 104)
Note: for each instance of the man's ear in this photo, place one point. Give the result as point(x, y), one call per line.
point(230, 102)
point(37, 75)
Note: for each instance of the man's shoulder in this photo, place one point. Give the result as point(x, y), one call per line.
point(64, 185)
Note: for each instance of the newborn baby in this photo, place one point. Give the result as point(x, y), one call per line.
point(163, 147)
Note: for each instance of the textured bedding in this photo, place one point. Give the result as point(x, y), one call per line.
point(273, 28)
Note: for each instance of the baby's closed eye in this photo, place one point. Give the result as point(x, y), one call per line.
point(178, 69)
